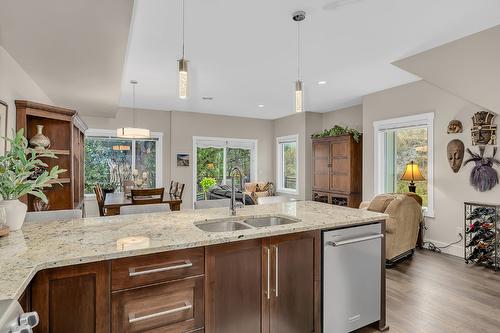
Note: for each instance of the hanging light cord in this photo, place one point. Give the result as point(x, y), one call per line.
point(298, 51)
point(133, 104)
point(183, 33)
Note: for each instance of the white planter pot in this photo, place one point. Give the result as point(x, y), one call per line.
point(16, 212)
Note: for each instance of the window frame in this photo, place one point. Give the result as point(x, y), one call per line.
point(380, 128)
point(96, 132)
point(253, 143)
point(279, 164)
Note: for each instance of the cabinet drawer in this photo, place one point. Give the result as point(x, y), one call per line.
point(168, 307)
point(154, 268)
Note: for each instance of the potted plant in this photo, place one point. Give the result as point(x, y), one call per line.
point(206, 183)
point(17, 169)
point(338, 130)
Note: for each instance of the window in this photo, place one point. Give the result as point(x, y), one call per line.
point(109, 160)
point(288, 163)
point(215, 157)
point(398, 142)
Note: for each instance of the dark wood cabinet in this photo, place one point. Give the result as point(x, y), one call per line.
point(66, 131)
point(72, 299)
point(272, 285)
point(337, 170)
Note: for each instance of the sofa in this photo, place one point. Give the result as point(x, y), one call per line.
point(402, 226)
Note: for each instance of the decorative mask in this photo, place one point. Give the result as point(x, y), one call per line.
point(483, 131)
point(455, 126)
point(483, 177)
point(456, 151)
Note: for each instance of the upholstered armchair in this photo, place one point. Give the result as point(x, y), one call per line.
point(402, 227)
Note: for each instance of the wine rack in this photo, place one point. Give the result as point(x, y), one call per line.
point(481, 241)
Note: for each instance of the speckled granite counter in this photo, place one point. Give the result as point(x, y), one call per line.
point(60, 243)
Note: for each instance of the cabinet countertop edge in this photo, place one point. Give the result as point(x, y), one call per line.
point(38, 246)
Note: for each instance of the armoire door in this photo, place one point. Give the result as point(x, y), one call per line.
point(340, 166)
point(295, 281)
point(321, 165)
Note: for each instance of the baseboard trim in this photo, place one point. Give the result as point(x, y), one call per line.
point(455, 250)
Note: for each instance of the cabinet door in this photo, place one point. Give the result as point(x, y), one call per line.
point(340, 166)
point(295, 272)
point(234, 290)
point(321, 165)
point(72, 299)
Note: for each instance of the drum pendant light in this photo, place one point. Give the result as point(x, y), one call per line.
point(133, 132)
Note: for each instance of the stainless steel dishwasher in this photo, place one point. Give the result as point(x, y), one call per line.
point(351, 278)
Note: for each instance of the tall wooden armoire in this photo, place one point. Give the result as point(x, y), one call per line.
point(337, 170)
point(66, 132)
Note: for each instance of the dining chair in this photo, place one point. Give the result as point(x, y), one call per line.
point(127, 186)
point(143, 209)
point(173, 188)
point(272, 200)
point(180, 190)
point(53, 215)
point(147, 196)
point(99, 195)
point(204, 204)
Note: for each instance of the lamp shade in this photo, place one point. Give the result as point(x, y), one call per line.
point(412, 172)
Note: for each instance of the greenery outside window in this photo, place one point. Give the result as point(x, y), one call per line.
point(397, 142)
point(287, 164)
point(109, 160)
point(215, 157)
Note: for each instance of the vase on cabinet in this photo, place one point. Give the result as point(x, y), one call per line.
point(39, 140)
point(15, 212)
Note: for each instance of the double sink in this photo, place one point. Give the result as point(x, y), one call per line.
point(248, 223)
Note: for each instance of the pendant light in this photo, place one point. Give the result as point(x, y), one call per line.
point(183, 66)
point(133, 132)
point(299, 92)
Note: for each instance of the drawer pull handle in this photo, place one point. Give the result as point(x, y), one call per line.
point(133, 319)
point(186, 264)
point(354, 240)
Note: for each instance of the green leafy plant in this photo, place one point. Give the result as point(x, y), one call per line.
point(206, 183)
point(18, 166)
point(338, 130)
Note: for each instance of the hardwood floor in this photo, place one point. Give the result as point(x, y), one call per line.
point(438, 293)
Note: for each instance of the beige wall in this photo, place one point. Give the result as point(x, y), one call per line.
point(351, 117)
point(15, 83)
point(185, 125)
point(450, 190)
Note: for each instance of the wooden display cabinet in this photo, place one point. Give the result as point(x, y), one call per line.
point(66, 132)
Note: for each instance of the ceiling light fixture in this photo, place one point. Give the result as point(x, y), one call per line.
point(260, 105)
point(299, 92)
point(183, 65)
point(133, 132)
point(321, 83)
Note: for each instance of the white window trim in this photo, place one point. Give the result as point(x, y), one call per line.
point(92, 132)
point(253, 158)
point(424, 119)
point(279, 165)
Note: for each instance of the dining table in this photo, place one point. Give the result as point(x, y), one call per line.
point(113, 202)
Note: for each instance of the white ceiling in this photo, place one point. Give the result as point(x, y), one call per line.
point(73, 49)
point(243, 53)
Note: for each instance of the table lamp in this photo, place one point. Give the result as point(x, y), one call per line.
point(412, 174)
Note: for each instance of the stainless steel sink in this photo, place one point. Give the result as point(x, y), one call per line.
point(259, 222)
point(221, 226)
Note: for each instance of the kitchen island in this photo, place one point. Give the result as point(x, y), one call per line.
point(107, 253)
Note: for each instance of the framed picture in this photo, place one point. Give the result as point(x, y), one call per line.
point(3, 126)
point(182, 159)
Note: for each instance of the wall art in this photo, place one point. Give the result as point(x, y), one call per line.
point(483, 177)
point(182, 159)
point(455, 150)
point(455, 126)
point(483, 131)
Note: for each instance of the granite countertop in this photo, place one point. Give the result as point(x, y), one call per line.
point(60, 243)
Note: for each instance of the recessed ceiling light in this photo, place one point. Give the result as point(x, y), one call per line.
point(321, 82)
point(207, 98)
point(260, 105)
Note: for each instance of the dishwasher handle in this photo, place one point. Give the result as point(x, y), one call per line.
point(354, 240)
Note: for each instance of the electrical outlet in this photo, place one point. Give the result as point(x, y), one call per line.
point(459, 231)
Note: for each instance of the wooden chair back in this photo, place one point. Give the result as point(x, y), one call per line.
point(99, 195)
point(127, 186)
point(176, 189)
point(173, 187)
point(147, 196)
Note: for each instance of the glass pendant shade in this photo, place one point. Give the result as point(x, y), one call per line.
point(299, 93)
point(133, 133)
point(183, 78)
